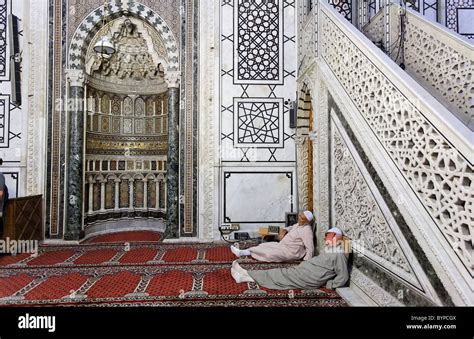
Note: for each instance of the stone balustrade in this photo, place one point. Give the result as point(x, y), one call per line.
point(432, 152)
point(439, 59)
point(124, 194)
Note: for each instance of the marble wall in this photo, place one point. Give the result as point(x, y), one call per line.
point(256, 149)
point(22, 122)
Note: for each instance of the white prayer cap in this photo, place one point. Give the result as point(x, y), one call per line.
point(335, 230)
point(308, 215)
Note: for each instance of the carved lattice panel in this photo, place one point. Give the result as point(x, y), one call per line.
point(116, 105)
point(127, 126)
point(440, 176)
point(139, 107)
point(150, 106)
point(159, 106)
point(105, 124)
point(128, 106)
point(116, 122)
point(139, 126)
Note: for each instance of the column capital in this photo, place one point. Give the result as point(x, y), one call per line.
point(76, 77)
point(173, 78)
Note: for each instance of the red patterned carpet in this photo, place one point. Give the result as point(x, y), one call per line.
point(141, 274)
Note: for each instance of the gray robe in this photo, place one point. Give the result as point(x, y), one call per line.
point(328, 269)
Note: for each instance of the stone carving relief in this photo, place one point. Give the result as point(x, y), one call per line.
point(36, 103)
point(302, 152)
point(208, 208)
point(372, 290)
point(91, 25)
point(302, 140)
point(132, 59)
point(168, 9)
point(357, 212)
point(323, 156)
point(308, 46)
point(374, 29)
point(438, 173)
point(120, 123)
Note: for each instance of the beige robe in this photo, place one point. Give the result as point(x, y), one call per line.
point(297, 244)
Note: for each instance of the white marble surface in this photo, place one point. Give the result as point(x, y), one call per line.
point(23, 148)
point(231, 88)
point(14, 128)
point(256, 197)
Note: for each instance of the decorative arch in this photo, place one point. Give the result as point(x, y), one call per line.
point(88, 28)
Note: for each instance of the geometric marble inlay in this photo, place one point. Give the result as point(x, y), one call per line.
point(258, 52)
point(259, 122)
point(3, 38)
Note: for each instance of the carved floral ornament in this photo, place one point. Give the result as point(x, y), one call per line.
point(140, 55)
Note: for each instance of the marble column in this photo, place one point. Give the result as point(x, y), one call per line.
point(102, 195)
point(91, 196)
point(117, 194)
point(172, 170)
point(74, 166)
point(145, 194)
point(131, 205)
point(157, 183)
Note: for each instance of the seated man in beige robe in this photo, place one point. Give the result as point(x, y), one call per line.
point(328, 269)
point(296, 244)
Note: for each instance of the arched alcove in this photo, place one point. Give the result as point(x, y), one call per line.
point(126, 129)
point(130, 120)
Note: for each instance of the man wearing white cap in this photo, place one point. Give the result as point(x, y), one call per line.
point(296, 244)
point(328, 269)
